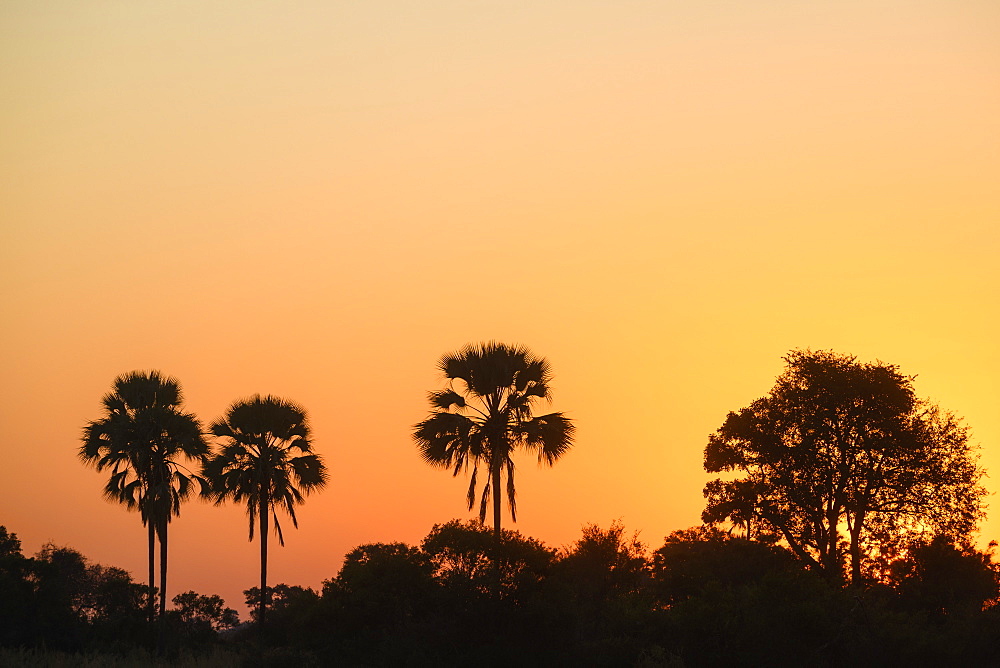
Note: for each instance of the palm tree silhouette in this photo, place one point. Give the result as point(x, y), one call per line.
point(485, 414)
point(142, 439)
point(257, 466)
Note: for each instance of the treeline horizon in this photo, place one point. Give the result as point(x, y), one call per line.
point(705, 597)
point(841, 529)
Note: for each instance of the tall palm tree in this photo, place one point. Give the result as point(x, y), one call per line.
point(143, 438)
point(267, 463)
point(485, 414)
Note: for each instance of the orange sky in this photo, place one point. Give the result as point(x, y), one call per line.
point(317, 202)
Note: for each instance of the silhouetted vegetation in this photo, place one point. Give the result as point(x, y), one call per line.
point(485, 414)
point(843, 447)
point(58, 599)
point(844, 472)
point(204, 615)
point(703, 598)
point(143, 439)
point(267, 463)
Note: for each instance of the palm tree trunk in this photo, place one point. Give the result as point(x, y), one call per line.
point(163, 585)
point(152, 570)
point(263, 560)
point(496, 503)
point(498, 554)
point(163, 569)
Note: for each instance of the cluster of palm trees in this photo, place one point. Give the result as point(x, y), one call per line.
point(157, 453)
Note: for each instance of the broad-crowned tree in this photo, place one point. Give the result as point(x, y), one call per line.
point(839, 456)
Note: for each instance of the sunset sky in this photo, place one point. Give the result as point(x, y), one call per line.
point(318, 199)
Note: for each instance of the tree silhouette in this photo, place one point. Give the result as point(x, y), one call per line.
point(485, 414)
point(693, 560)
point(205, 614)
point(267, 463)
point(841, 445)
point(941, 577)
point(143, 438)
point(599, 587)
point(604, 564)
point(466, 563)
point(381, 587)
point(17, 591)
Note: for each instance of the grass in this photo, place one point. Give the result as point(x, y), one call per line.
point(40, 658)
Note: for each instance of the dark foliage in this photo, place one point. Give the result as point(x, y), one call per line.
point(204, 615)
point(841, 462)
point(941, 577)
point(695, 560)
point(704, 598)
point(598, 597)
point(60, 600)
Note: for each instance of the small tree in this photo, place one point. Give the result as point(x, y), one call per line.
point(693, 560)
point(942, 577)
point(80, 601)
point(279, 598)
point(605, 564)
point(382, 585)
point(205, 613)
point(464, 560)
point(598, 591)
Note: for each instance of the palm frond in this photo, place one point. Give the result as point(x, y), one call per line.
point(549, 435)
point(444, 437)
point(484, 503)
point(300, 443)
point(471, 496)
point(309, 472)
point(445, 399)
point(511, 493)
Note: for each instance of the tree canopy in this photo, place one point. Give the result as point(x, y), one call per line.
point(839, 457)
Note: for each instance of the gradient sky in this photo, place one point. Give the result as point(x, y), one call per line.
point(318, 199)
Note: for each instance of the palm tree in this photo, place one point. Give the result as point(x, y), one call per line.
point(485, 414)
point(142, 439)
point(258, 465)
